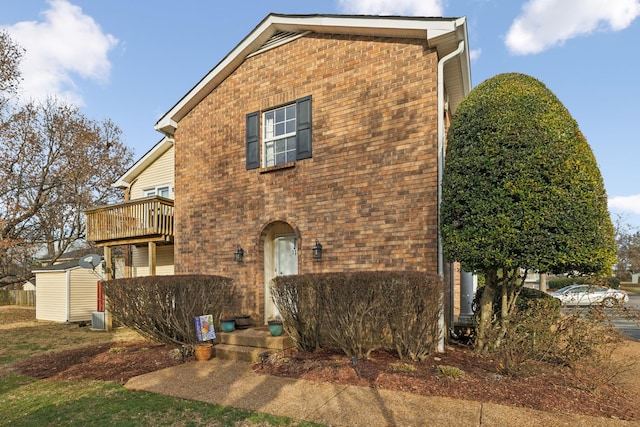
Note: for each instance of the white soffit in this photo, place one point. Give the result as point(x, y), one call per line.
point(431, 29)
point(143, 163)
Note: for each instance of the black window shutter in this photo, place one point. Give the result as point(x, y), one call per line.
point(303, 128)
point(253, 140)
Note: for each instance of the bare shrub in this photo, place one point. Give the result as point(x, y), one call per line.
point(580, 340)
point(355, 309)
point(162, 308)
point(531, 335)
point(414, 308)
point(296, 298)
point(360, 312)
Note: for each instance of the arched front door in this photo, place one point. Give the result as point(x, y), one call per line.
point(281, 259)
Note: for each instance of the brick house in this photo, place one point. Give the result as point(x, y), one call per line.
point(321, 129)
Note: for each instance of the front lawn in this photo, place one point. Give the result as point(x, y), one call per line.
point(27, 401)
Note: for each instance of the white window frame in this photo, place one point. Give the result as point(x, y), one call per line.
point(153, 191)
point(279, 135)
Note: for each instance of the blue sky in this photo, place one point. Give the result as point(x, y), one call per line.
point(131, 61)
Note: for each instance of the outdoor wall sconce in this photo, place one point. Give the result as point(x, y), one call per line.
point(317, 250)
point(239, 253)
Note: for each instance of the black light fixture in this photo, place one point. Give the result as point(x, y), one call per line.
point(239, 254)
point(317, 250)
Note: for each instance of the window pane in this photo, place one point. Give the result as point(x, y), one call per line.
point(163, 192)
point(280, 115)
point(291, 143)
point(291, 156)
point(281, 145)
point(279, 129)
point(269, 116)
point(269, 157)
point(280, 158)
point(291, 112)
point(291, 126)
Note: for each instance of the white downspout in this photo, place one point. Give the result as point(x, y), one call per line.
point(68, 277)
point(458, 51)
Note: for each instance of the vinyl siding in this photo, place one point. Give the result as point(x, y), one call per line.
point(52, 301)
point(84, 295)
point(51, 296)
point(159, 173)
point(140, 258)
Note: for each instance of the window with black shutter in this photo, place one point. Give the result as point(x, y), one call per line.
point(286, 135)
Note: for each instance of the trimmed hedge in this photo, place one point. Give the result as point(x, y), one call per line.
point(362, 311)
point(162, 308)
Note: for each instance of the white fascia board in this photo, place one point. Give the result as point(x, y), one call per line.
point(145, 161)
point(407, 27)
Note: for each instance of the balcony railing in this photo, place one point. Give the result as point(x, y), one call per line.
point(136, 221)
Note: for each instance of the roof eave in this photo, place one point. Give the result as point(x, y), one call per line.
point(147, 159)
point(430, 29)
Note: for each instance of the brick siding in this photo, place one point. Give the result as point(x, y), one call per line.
point(369, 193)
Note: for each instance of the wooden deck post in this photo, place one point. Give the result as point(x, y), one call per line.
point(107, 260)
point(152, 258)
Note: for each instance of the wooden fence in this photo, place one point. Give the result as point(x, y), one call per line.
point(13, 297)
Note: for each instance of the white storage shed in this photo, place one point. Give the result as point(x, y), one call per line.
point(66, 293)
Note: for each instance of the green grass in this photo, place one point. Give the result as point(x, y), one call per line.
point(82, 403)
point(28, 402)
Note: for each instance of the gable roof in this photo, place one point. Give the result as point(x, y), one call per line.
point(143, 163)
point(443, 34)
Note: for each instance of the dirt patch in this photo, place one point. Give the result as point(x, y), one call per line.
point(116, 362)
point(461, 373)
point(612, 392)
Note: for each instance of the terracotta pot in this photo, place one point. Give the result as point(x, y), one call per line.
point(203, 351)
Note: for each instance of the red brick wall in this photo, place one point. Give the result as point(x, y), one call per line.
point(368, 194)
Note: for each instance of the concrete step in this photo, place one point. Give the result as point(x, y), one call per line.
point(248, 344)
point(255, 337)
point(242, 353)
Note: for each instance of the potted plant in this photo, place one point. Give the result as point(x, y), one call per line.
point(275, 326)
point(243, 321)
point(227, 323)
point(205, 334)
point(203, 350)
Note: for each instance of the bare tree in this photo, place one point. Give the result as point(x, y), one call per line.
point(54, 163)
point(628, 248)
point(10, 55)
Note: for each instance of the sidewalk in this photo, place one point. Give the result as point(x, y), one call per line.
point(232, 383)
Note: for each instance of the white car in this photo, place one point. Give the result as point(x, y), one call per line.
point(589, 295)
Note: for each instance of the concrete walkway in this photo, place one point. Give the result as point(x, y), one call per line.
point(232, 383)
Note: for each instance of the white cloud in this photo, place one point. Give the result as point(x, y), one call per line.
point(65, 45)
point(393, 7)
point(547, 23)
point(629, 204)
point(474, 54)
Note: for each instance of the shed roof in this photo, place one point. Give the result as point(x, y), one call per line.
point(69, 265)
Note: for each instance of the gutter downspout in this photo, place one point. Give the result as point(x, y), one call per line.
point(458, 51)
point(68, 280)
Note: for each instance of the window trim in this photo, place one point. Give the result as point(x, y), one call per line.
point(155, 190)
point(284, 137)
point(255, 135)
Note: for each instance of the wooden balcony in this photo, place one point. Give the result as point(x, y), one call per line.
point(133, 222)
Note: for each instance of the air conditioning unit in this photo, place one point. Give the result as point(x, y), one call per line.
point(98, 320)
